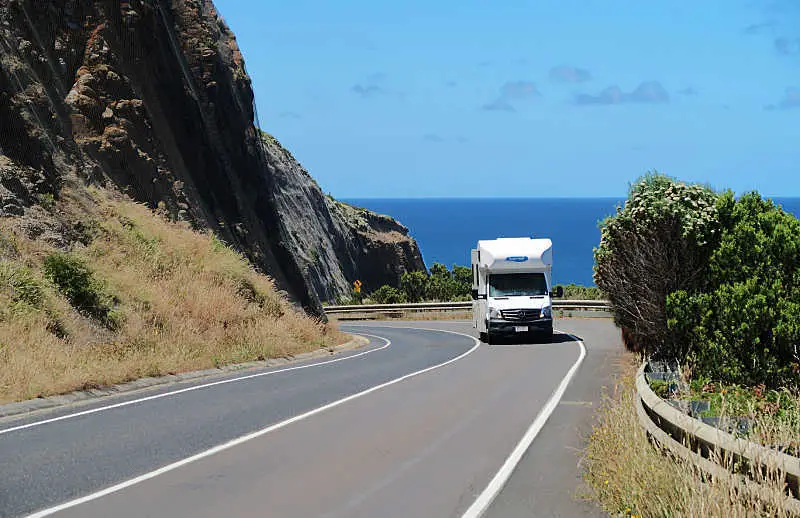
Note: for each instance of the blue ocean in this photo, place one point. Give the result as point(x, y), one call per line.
point(446, 229)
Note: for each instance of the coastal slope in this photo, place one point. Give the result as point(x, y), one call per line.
point(151, 97)
point(333, 241)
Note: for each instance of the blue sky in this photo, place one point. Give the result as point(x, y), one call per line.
point(559, 98)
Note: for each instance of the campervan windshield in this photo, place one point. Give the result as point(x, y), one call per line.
point(517, 284)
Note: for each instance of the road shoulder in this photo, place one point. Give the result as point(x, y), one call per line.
point(31, 406)
point(548, 480)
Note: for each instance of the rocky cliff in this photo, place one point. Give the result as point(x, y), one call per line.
point(336, 243)
point(152, 97)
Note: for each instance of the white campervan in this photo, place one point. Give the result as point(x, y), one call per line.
point(512, 287)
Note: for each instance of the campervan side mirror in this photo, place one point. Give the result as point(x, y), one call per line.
point(559, 292)
point(474, 294)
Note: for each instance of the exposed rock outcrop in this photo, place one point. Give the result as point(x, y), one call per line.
point(335, 242)
point(153, 97)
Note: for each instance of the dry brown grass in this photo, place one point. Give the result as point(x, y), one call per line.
point(629, 477)
point(183, 302)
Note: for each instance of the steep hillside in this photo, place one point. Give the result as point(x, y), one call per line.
point(335, 242)
point(152, 97)
point(136, 295)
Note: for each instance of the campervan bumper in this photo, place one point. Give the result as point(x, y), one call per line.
point(505, 327)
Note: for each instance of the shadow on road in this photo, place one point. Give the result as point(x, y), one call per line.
point(558, 338)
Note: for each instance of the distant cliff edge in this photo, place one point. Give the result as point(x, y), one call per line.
point(152, 97)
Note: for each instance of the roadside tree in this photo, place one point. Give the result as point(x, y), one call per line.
point(659, 242)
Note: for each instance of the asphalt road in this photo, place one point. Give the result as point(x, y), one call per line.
point(426, 445)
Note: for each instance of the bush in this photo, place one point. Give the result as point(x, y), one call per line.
point(658, 243)
point(445, 286)
point(441, 285)
point(701, 278)
point(75, 281)
point(388, 295)
point(414, 285)
point(462, 283)
point(24, 290)
point(745, 326)
point(578, 292)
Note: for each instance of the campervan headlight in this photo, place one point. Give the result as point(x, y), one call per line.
point(494, 313)
point(547, 312)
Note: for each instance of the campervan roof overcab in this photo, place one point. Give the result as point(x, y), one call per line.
point(512, 288)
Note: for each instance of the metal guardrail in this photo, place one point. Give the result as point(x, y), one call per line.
point(600, 305)
point(703, 445)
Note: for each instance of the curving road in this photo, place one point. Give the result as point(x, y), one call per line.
point(418, 423)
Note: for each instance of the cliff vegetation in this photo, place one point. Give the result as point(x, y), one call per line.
point(135, 295)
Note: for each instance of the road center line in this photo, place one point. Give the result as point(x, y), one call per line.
point(196, 387)
point(259, 433)
point(485, 499)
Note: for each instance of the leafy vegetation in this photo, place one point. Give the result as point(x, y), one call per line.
point(657, 243)
point(414, 285)
point(449, 286)
point(579, 292)
point(77, 283)
point(707, 280)
point(711, 282)
point(443, 285)
point(440, 285)
point(744, 326)
point(24, 290)
point(388, 295)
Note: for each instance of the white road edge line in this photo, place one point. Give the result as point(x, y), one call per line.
point(254, 435)
point(196, 387)
point(485, 499)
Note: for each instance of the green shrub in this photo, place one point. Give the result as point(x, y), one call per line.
point(388, 295)
point(463, 277)
point(440, 285)
point(24, 289)
point(658, 243)
point(578, 292)
point(705, 279)
point(745, 326)
point(448, 285)
point(414, 285)
point(75, 281)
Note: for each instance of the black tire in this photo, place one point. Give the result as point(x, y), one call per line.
point(484, 338)
point(489, 338)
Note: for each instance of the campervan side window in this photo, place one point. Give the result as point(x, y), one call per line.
point(517, 285)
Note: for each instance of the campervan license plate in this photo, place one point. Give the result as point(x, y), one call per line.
point(521, 329)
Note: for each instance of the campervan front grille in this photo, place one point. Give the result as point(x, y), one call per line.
point(520, 314)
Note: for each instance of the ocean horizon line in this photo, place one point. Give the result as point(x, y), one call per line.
point(519, 198)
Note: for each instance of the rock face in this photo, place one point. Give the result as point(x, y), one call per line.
point(336, 243)
point(153, 97)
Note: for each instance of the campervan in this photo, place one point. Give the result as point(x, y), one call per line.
point(512, 287)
